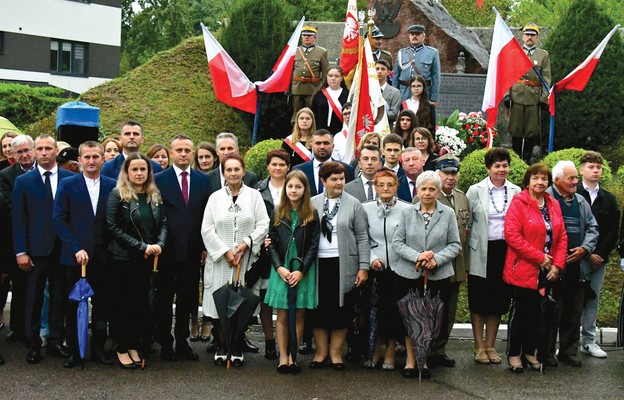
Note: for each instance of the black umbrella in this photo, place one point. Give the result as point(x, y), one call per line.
point(153, 288)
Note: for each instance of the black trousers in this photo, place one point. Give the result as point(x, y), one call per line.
point(569, 311)
point(18, 299)
point(450, 311)
point(129, 321)
point(523, 330)
point(45, 268)
point(179, 279)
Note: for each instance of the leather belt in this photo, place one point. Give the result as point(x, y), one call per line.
point(307, 80)
point(527, 82)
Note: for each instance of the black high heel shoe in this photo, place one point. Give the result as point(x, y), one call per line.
point(131, 366)
point(538, 366)
point(516, 369)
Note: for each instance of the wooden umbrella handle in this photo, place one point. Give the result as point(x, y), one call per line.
point(156, 263)
point(84, 269)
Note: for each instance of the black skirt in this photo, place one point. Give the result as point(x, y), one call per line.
point(490, 295)
point(328, 314)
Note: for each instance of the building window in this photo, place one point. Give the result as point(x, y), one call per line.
point(68, 57)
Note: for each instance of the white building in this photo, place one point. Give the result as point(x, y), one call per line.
point(71, 44)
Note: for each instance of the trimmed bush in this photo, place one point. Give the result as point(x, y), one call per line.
point(473, 169)
point(255, 159)
point(23, 104)
point(574, 154)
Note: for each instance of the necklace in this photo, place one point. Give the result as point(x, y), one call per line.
point(494, 203)
point(541, 204)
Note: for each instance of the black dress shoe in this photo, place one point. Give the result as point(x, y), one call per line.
point(441, 361)
point(338, 366)
point(249, 347)
point(13, 337)
point(305, 348)
point(318, 364)
point(72, 361)
point(1, 360)
point(187, 354)
point(283, 369)
point(425, 373)
point(409, 373)
point(551, 361)
point(102, 357)
point(57, 350)
point(570, 359)
point(168, 354)
point(34, 355)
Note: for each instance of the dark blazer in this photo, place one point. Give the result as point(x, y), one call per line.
point(404, 192)
point(607, 214)
point(306, 238)
point(123, 223)
point(308, 169)
point(250, 179)
point(33, 228)
point(112, 167)
point(7, 182)
point(356, 189)
point(183, 222)
point(320, 107)
point(74, 221)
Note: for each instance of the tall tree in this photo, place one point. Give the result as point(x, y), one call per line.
point(592, 118)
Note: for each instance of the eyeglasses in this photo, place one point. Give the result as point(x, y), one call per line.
point(417, 86)
point(420, 139)
point(385, 185)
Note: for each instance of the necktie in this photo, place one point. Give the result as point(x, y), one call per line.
point(185, 191)
point(413, 183)
point(319, 190)
point(47, 182)
point(370, 190)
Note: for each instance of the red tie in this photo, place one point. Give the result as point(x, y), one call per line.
point(185, 188)
point(413, 188)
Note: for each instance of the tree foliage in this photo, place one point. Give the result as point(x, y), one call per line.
point(550, 12)
point(23, 104)
point(591, 119)
point(468, 14)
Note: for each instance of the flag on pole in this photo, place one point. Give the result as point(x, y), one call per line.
point(231, 85)
point(577, 79)
point(508, 63)
point(279, 81)
point(350, 39)
point(378, 103)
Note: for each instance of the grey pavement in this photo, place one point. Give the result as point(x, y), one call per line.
point(257, 379)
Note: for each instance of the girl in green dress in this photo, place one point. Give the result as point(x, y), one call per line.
point(294, 235)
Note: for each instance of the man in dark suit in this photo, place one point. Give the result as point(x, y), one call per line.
point(37, 248)
point(185, 193)
point(322, 148)
point(24, 150)
point(362, 188)
point(413, 165)
point(391, 95)
point(80, 222)
point(131, 138)
point(227, 143)
point(391, 148)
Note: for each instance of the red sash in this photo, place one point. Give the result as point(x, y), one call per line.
point(333, 105)
point(404, 105)
point(298, 148)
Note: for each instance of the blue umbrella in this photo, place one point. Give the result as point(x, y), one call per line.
point(80, 294)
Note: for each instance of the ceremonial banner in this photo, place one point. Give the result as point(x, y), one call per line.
point(350, 39)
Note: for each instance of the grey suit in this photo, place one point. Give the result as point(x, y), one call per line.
point(392, 96)
point(353, 244)
point(441, 236)
point(356, 189)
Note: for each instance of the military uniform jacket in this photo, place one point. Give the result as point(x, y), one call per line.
point(426, 63)
point(533, 95)
point(463, 215)
point(318, 63)
point(384, 55)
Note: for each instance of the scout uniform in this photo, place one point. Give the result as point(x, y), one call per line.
point(311, 66)
point(417, 60)
point(526, 95)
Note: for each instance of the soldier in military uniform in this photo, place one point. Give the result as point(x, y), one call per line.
point(417, 59)
point(376, 44)
point(526, 95)
point(447, 167)
point(311, 65)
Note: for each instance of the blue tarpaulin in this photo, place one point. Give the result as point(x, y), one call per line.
point(77, 113)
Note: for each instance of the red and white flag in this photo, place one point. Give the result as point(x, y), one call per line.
point(350, 39)
point(231, 85)
point(279, 81)
point(508, 63)
point(577, 79)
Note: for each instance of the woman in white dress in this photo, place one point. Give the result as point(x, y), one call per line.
point(235, 224)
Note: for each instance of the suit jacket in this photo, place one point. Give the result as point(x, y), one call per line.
point(533, 95)
point(392, 96)
point(7, 182)
point(463, 216)
point(308, 169)
point(33, 228)
point(113, 167)
point(607, 214)
point(250, 179)
point(356, 189)
point(183, 222)
point(404, 192)
point(74, 221)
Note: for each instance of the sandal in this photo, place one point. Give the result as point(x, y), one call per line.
point(493, 355)
point(481, 356)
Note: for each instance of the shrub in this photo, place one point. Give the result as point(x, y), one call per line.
point(255, 159)
point(574, 154)
point(473, 169)
point(23, 104)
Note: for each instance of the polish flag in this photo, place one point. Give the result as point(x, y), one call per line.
point(577, 79)
point(231, 85)
point(350, 39)
point(508, 63)
point(280, 78)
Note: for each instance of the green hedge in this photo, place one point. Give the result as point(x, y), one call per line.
point(574, 154)
point(255, 158)
point(23, 104)
point(473, 169)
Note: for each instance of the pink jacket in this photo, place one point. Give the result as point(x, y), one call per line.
point(525, 234)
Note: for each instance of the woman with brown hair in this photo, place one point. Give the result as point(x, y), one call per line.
point(112, 148)
point(298, 144)
point(327, 103)
point(206, 158)
point(419, 103)
point(159, 154)
point(422, 139)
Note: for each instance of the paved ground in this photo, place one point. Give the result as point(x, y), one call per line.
point(597, 379)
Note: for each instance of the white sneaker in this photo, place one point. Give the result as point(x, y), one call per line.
point(594, 350)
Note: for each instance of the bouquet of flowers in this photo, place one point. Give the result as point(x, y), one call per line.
point(472, 128)
point(448, 138)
